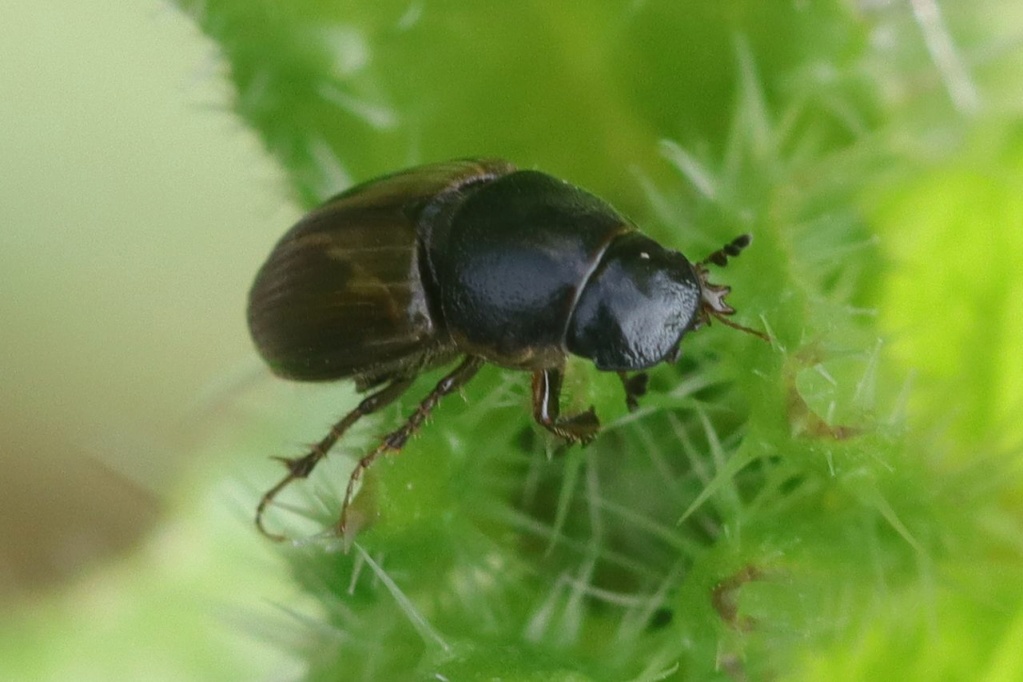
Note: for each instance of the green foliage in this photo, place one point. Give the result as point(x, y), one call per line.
point(823, 507)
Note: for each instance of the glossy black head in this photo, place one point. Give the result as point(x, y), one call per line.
point(636, 306)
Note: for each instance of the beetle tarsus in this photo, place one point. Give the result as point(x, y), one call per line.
point(579, 428)
point(395, 441)
point(301, 467)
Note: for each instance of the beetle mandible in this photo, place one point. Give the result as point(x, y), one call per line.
point(477, 260)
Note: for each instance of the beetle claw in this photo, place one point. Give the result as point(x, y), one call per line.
point(300, 467)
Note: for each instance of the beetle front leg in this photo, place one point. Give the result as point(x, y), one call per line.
point(635, 388)
point(581, 428)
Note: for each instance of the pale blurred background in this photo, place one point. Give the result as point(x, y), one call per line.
point(134, 210)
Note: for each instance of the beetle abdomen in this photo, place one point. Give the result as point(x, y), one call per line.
point(342, 294)
point(331, 301)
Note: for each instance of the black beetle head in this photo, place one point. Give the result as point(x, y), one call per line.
point(642, 299)
point(636, 306)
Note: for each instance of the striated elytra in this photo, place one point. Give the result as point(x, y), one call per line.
point(478, 261)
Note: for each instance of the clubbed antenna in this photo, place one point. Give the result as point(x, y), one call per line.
point(729, 250)
point(713, 303)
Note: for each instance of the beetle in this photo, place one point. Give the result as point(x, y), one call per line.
point(474, 260)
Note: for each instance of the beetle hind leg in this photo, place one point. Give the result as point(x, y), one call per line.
point(396, 440)
point(301, 467)
point(579, 428)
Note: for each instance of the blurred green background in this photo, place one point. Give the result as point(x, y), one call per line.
point(865, 468)
point(135, 206)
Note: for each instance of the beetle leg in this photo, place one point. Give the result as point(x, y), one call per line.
point(635, 387)
point(581, 428)
point(396, 440)
point(301, 467)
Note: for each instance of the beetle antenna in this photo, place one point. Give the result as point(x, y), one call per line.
point(713, 303)
point(729, 250)
point(735, 325)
